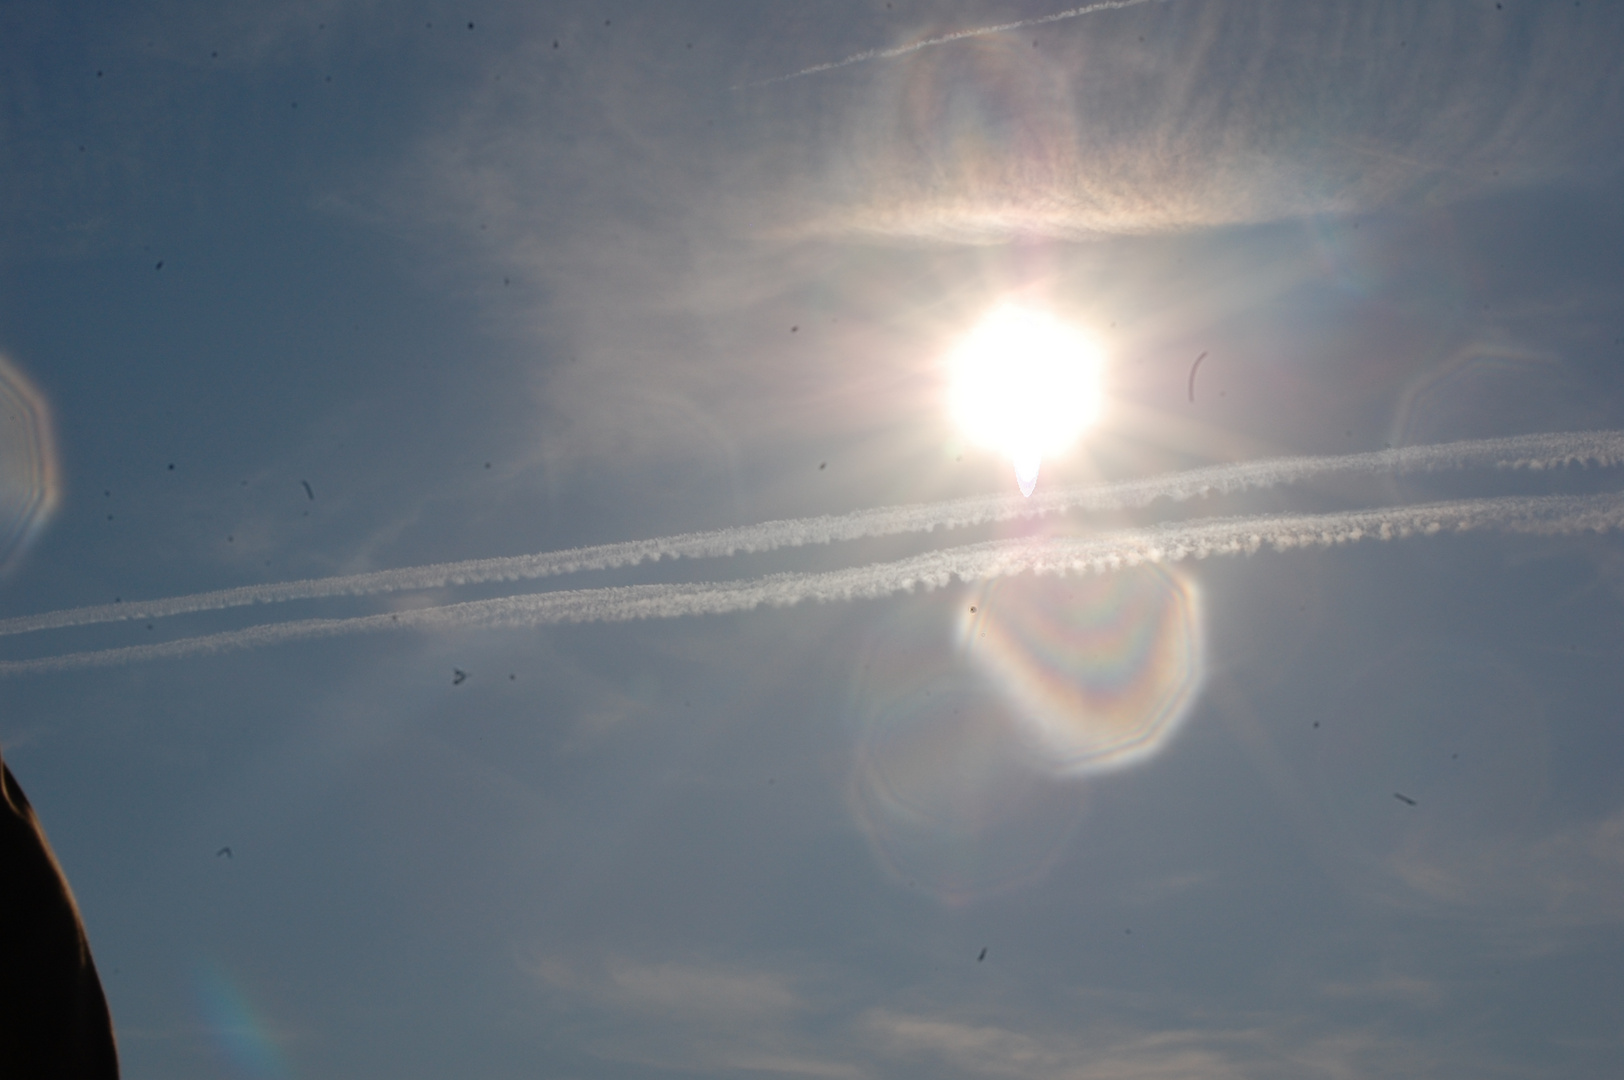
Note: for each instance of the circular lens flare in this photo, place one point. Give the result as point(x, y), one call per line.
point(943, 782)
point(1025, 384)
point(1103, 668)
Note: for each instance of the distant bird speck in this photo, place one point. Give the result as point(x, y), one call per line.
point(160, 265)
point(793, 329)
point(308, 492)
point(982, 957)
point(458, 676)
point(823, 465)
point(1405, 799)
point(171, 466)
point(223, 852)
point(1193, 369)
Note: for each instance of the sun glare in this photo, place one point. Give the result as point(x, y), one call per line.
point(1025, 384)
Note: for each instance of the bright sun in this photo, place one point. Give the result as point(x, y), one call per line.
point(1026, 385)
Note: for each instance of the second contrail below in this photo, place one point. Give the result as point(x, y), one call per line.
point(1535, 514)
point(1533, 452)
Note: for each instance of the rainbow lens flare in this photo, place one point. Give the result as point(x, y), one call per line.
point(1102, 668)
point(29, 480)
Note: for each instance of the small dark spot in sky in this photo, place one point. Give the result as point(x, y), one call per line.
point(972, 609)
point(295, 104)
point(487, 464)
point(690, 44)
point(109, 494)
point(160, 265)
point(81, 149)
point(606, 22)
point(795, 329)
point(308, 492)
point(1405, 799)
point(117, 600)
point(149, 626)
point(223, 852)
point(982, 957)
point(457, 676)
point(1316, 723)
point(98, 74)
point(214, 56)
point(109, 517)
point(823, 465)
point(329, 78)
point(512, 677)
point(171, 466)
point(555, 44)
point(470, 26)
point(231, 539)
point(505, 281)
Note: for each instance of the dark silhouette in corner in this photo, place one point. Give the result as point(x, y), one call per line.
point(53, 1018)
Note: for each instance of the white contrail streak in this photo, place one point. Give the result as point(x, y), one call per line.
point(1536, 514)
point(1535, 452)
point(945, 39)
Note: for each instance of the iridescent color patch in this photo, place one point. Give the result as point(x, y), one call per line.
point(28, 469)
point(238, 1028)
point(1101, 668)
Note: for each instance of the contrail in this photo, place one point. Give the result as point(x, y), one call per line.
point(1172, 542)
point(945, 39)
point(1533, 452)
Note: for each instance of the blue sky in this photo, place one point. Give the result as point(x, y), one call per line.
point(488, 296)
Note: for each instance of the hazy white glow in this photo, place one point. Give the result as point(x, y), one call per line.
point(1025, 384)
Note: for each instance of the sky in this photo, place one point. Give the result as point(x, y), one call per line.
point(497, 581)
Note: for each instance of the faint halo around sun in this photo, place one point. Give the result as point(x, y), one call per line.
point(1025, 384)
